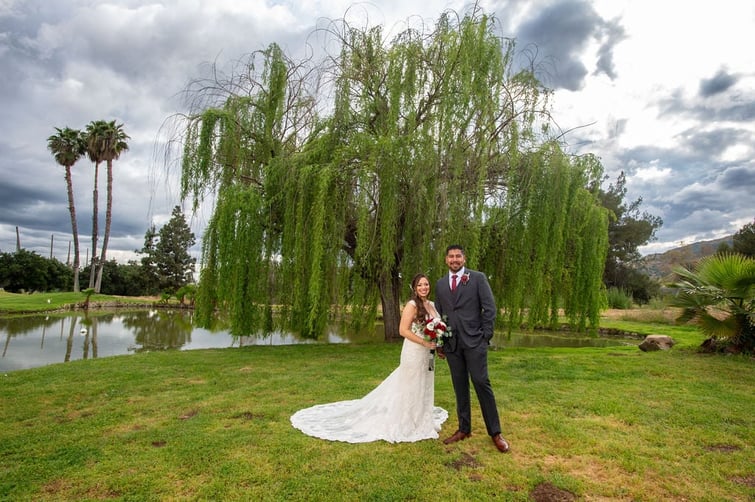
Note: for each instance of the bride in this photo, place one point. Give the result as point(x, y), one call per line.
point(401, 408)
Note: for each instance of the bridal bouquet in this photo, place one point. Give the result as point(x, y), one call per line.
point(436, 330)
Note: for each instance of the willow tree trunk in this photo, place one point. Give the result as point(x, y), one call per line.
point(390, 286)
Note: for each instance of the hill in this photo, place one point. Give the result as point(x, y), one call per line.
point(660, 265)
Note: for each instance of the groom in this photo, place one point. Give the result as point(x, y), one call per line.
point(464, 297)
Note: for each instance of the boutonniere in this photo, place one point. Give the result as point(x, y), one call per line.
point(465, 278)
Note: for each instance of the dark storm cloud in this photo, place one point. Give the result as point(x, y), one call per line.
point(612, 34)
point(720, 82)
point(700, 196)
point(646, 154)
point(558, 36)
point(734, 111)
point(20, 203)
point(28, 194)
point(34, 213)
point(722, 98)
point(139, 44)
point(713, 142)
point(691, 166)
point(733, 108)
point(740, 178)
point(713, 203)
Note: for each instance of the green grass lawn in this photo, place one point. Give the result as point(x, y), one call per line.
point(16, 303)
point(601, 423)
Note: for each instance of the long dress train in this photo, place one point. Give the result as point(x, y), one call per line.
point(400, 409)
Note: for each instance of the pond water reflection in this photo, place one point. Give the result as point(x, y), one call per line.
point(39, 340)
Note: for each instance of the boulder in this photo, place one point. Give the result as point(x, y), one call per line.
point(656, 342)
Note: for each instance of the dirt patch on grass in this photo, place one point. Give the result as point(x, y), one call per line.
point(546, 492)
point(188, 414)
point(56, 487)
point(748, 481)
point(724, 448)
point(466, 460)
point(247, 415)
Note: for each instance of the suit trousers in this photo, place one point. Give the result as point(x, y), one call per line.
point(472, 362)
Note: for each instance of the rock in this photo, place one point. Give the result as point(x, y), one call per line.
point(656, 342)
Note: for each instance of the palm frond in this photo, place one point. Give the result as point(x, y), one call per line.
point(719, 296)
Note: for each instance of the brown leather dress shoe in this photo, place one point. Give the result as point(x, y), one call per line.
point(457, 436)
point(500, 443)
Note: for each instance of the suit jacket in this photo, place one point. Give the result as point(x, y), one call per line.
point(470, 310)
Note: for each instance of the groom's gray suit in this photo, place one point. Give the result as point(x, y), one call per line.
point(470, 311)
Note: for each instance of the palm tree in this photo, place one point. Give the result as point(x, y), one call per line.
point(112, 144)
point(67, 146)
point(719, 296)
point(92, 137)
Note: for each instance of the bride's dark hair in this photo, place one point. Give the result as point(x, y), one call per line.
point(418, 302)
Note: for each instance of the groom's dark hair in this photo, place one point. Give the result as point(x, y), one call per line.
point(455, 246)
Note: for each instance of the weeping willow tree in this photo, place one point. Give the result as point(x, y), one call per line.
point(428, 139)
point(546, 238)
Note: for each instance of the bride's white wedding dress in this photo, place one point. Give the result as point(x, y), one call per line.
point(400, 409)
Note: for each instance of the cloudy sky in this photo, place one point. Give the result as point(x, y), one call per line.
point(663, 90)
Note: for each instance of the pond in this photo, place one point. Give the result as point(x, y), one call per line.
point(39, 340)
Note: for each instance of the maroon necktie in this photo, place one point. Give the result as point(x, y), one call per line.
point(453, 282)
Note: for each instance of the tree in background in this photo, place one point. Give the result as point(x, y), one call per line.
point(123, 279)
point(150, 277)
point(27, 271)
point(68, 146)
point(94, 130)
point(628, 229)
point(167, 255)
point(431, 139)
point(719, 296)
point(744, 240)
point(723, 248)
point(111, 142)
point(105, 141)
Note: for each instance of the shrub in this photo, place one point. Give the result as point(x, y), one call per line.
point(27, 271)
point(619, 299)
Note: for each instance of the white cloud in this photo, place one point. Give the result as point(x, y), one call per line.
point(652, 173)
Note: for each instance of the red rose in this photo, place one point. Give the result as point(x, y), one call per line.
point(465, 278)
